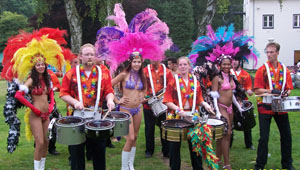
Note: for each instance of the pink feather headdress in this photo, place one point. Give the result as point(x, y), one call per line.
point(145, 34)
point(134, 42)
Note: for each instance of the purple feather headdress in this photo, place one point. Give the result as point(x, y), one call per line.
point(146, 34)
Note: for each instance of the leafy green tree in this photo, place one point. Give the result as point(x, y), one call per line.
point(77, 11)
point(24, 7)
point(178, 14)
point(10, 24)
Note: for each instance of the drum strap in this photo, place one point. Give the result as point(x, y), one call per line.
point(270, 79)
point(151, 80)
point(98, 86)
point(179, 93)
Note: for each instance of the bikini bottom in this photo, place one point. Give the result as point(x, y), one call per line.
point(228, 108)
point(132, 111)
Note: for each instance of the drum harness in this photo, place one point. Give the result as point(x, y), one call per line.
point(179, 94)
point(98, 87)
point(151, 81)
point(268, 99)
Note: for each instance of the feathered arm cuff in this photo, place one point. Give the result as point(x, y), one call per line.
point(23, 88)
point(214, 94)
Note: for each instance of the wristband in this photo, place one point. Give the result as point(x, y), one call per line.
point(177, 110)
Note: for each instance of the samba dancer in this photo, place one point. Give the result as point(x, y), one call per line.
point(31, 55)
point(270, 79)
point(144, 38)
point(69, 94)
point(160, 75)
point(181, 108)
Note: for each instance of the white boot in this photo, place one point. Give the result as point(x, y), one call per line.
point(36, 165)
point(43, 161)
point(125, 159)
point(131, 158)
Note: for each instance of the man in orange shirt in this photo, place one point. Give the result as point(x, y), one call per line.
point(245, 80)
point(157, 76)
point(269, 80)
point(69, 94)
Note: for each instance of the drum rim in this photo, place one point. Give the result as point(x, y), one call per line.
point(100, 129)
point(82, 122)
point(217, 120)
point(163, 123)
point(119, 119)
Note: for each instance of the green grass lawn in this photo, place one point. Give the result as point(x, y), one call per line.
point(241, 158)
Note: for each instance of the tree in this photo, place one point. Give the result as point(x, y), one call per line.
point(24, 7)
point(10, 24)
point(77, 12)
point(178, 14)
point(207, 16)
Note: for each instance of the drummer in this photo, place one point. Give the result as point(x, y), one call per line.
point(157, 76)
point(266, 85)
point(245, 80)
point(186, 80)
point(69, 94)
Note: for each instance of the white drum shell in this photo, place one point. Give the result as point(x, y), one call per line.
point(291, 104)
point(157, 106)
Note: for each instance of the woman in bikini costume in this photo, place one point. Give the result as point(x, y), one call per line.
point(222, 93)
point(132, 82)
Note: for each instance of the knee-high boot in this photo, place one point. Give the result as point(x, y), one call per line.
point(131, 158)
point(125, 159)
point(43, 161)
point(36, 165)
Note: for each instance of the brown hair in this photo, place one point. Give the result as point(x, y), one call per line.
point(273, 44)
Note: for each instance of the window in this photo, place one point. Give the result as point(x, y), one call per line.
point(296, 20)
point(268, 21)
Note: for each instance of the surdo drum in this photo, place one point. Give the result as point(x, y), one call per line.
point(246, 119)
point(175, 130)
point(216, 127)
point(157, 106)
point(121, 120)
point(99, 128)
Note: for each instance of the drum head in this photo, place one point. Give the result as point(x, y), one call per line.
point(177, 123)
point(214, 122)
point(69, 121)
point(99, 125)
point(118, 115)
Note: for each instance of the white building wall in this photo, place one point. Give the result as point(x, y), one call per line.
point(283, 32)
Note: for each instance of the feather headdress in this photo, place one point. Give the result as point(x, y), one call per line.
point(25, 49)
point(145, 34)
point(225, 42)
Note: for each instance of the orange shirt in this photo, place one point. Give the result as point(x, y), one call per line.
point(158, 80)
point(261, 81)
point(171, 95)
point(244, 79)
point(54, 79)
point(69, 86)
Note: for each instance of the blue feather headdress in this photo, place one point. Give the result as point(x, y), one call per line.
point(223, 41)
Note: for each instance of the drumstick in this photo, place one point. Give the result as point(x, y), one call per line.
point(88, 109)
point(105, 115)
point(264, 94)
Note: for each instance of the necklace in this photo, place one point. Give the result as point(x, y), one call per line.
point(276, 86)
point(89, 93)
point(182, 87)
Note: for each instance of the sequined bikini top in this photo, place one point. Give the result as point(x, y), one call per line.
point(134, 81)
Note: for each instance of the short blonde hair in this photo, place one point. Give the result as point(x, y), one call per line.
point(86, 45)
point(185, 58)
